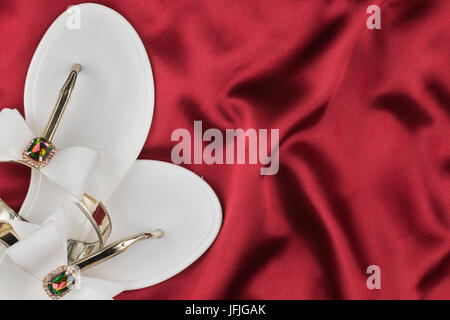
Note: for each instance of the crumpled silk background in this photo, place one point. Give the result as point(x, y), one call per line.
point(364, 121)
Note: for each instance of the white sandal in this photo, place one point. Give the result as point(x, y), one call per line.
point(110, 112)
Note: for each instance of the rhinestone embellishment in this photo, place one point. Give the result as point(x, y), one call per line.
point(38, 153)
point(60, 282)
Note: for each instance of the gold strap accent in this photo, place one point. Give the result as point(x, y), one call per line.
point(100, 220)
point(40, 161)
point(114, 249)
point(8, 235)
point(61, 103)
point(97, 215)
point(76, 249)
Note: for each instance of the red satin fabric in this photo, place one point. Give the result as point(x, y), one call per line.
point(364, 138)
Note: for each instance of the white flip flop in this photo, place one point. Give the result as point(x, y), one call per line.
point(110, 110)
point(153, 195)
point(114, 121)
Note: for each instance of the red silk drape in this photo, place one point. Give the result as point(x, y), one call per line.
point(363, 115)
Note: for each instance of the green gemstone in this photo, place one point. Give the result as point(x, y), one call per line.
point(39, 149)
point(61, 283)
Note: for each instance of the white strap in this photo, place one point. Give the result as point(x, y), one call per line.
point(43, 250)
point(15, 135)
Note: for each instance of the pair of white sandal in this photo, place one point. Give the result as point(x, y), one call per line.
point(99, 138)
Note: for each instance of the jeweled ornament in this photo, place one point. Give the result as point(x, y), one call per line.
point(61, 281)
point(39, 152)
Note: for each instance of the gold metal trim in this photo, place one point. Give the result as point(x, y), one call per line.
point(90, 207)
point(8, 235)
point(53, 123)
point(76, 249)
point(115, 248)
point(61, 104)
